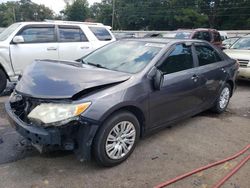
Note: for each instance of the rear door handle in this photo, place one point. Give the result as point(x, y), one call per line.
point(195, 78)
point(51, 48)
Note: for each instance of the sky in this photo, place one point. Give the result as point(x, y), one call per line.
point(55, 5)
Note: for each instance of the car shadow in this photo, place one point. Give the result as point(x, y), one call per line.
point(8, 90)
point(243, 83)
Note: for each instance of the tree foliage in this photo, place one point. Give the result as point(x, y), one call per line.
point(139, 14)
point(102, 12)
point(173, 14)
point(24, 10)
point(77, 11)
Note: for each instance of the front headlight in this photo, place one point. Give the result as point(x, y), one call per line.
point(51, 112)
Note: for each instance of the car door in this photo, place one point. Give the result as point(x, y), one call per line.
point(39, 43)
point(212, 69)
point(73, 43)
point(180, 91)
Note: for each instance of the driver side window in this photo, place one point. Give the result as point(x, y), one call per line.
point(180, 59)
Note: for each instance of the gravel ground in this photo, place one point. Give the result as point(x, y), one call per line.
point(192, 143)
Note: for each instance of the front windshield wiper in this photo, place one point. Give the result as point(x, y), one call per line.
point(93, 64)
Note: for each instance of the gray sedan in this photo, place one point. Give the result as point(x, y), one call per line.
point(102, 104)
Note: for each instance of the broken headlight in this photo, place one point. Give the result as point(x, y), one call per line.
point(51, 112)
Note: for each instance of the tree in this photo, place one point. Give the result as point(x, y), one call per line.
point(150, 14)
point(190, 18)
point(102, 12)
point(23, 10)
point(77, 11)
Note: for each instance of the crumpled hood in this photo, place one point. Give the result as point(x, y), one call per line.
point(62, 80)
point(238, 54)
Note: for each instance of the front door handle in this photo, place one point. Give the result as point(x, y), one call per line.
point(51, 48)
point(195, 78)
point(84, 47)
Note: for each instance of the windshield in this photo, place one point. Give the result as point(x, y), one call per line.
point(242, 43)
point(230, 41)
point(183, 35)
point(8, 31)
point(124, 56)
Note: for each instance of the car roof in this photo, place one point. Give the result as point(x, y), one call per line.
point(61, 22)
point(197, 29)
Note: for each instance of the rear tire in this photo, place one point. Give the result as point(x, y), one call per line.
point(223, 99)
point(116, 139)
point(3, 81)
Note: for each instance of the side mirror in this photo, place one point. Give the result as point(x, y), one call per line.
point(18, 39)
point(158, 79)
point(227, 46)
point(224, 47)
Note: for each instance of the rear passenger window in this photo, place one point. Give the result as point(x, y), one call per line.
point(198, 35)
point(101, 33)
point(206, 54)
point(71, 34)
point(180, 59)
point(206, 36)
point(38, 34)
point(202, 35)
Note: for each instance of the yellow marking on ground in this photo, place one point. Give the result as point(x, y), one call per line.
point(204, 185)
point(200, 174)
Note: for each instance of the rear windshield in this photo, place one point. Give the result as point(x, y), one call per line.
point(124, 56)
point(8, 31)
point(101, 33)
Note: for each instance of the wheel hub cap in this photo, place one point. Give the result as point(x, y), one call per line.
point(224, 97)
point(120, 140)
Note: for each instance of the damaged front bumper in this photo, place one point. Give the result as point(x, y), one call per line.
point(77, 135)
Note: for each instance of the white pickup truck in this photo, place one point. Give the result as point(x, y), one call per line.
point(22, 43)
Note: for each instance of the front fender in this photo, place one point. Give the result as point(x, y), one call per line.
point(5, 61)
point(124, 105)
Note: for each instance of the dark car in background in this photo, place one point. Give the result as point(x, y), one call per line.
point(118, 94)
point(210, 35)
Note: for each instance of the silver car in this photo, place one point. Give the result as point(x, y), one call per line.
point(241, 52)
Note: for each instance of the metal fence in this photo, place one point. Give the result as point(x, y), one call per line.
point(230, 33)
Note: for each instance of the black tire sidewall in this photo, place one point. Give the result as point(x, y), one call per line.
point(101, 137)
point(217, 107)
point(3, 81)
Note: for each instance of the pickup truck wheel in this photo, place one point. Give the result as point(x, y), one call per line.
point(223, 99)
point(3, 81)
point(116, 139)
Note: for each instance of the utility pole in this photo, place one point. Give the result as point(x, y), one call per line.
point(113, 14)
point(14, 14)
point(212, 10)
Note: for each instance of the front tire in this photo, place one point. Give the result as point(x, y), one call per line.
point(3, 81)
point(116, 139)
point(223, 99)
